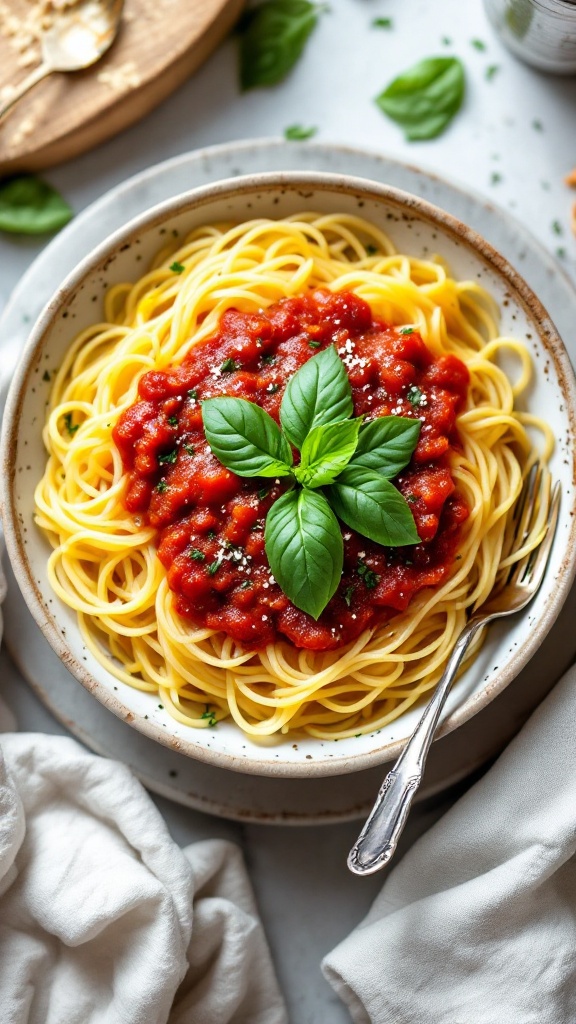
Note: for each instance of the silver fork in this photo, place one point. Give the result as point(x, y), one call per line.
point(535, 512)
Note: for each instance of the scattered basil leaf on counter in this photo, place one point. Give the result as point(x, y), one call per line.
point(425, 98)
point(382, 23)
point(272, 38)
point(491, 71)
point(372, 506)
point(352, 460)
point(245, 438)
point(326, 451)
point(478, 44)
point(297, 133)
point(29, 206)
point(319, 393)
point(386, 444)
point(305, 549)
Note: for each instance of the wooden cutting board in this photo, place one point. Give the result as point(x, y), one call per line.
point(159, 44)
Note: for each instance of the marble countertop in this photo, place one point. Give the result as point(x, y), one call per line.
point(513, 141)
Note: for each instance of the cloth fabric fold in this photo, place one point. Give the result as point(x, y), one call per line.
point(477, 924)
point(103, 918)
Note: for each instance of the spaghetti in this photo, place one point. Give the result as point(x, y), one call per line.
point(105, 563)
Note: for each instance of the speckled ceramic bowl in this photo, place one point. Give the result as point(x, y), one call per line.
point(415, 227)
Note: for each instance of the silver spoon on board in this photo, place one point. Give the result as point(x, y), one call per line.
point(76, 36)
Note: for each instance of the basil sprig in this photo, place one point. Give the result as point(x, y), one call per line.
point(425, 98)
point(29, 206)
point(354, 461)
point(272, 38)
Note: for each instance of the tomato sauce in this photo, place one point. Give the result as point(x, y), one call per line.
point(210, 522)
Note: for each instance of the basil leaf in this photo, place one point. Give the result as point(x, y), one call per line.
point(297, 133)
point(305, 549)
point(326, 451)
point(317, 394)
point(273, 37)
point(245, 438)
point(372, 506)
point(425, 98)
point(29, 206)
point(386, 444)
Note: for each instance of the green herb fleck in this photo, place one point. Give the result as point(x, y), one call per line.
point(491, 71)
point(557, 227)
point(446, 41)
point(263, 492)
point(193, 394)
point(348, 595)
point(161, 486)
point(371, 249)
point(177, 268)
point(369, 577)
point(561, 252)
point(382, 23)
point(161, 706)
point(173, 421)
point(478, 44)
point(406, 330)
point(211, 716)
point(213, 567)
point(68, 423)
point(412, 498)
point(297, 133)
point(197, 555)
point(495, 178)
point(245, 585)
point(268, 360)
point(273, 388)
point(169, 458)
point(189, 449)
point(229, 365)
point(537, 125)
point(211, 534)
point(414, 396)
point(314, 344)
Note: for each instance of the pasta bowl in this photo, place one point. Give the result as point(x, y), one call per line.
point(417, 229)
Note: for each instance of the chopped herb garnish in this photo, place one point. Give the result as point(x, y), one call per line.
point(382, 23)
point(371, 249)
point(68, 423)
point(229, 365)
point(561, 253)
point(197, 555)
point(348, 595)
point(273, 388)
point(245, 584)
point(478, 45)
point(412, 498)
point(168, 458)
point(46, 375)
point(446, 41)
point(537, 125)
point(406, 330)
point(213, 567)
point(297, 133)
point(414, 396)
point(177, 268)
point(369, 577)
point(495, 178)
point(557, 227)
point(263, 493)
point(212, 534)
point(173, 421)
point(268, 360)
point(314, 344)
point(161, 486)
point(189, 449)
point(193, 394)
point(491, 71)
point(210, 715)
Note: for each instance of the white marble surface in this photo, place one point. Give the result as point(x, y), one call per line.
point(307, 899)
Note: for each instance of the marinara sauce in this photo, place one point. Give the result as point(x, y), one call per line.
point(210, 522)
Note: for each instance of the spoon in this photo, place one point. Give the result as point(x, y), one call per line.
point(75, 37)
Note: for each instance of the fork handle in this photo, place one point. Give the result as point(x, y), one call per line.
point(378, 839)
point(31, 80)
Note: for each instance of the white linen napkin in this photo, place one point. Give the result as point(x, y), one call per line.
point(103, 918)
point(477, 924)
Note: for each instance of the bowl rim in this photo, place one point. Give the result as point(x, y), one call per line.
point(98, 258)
